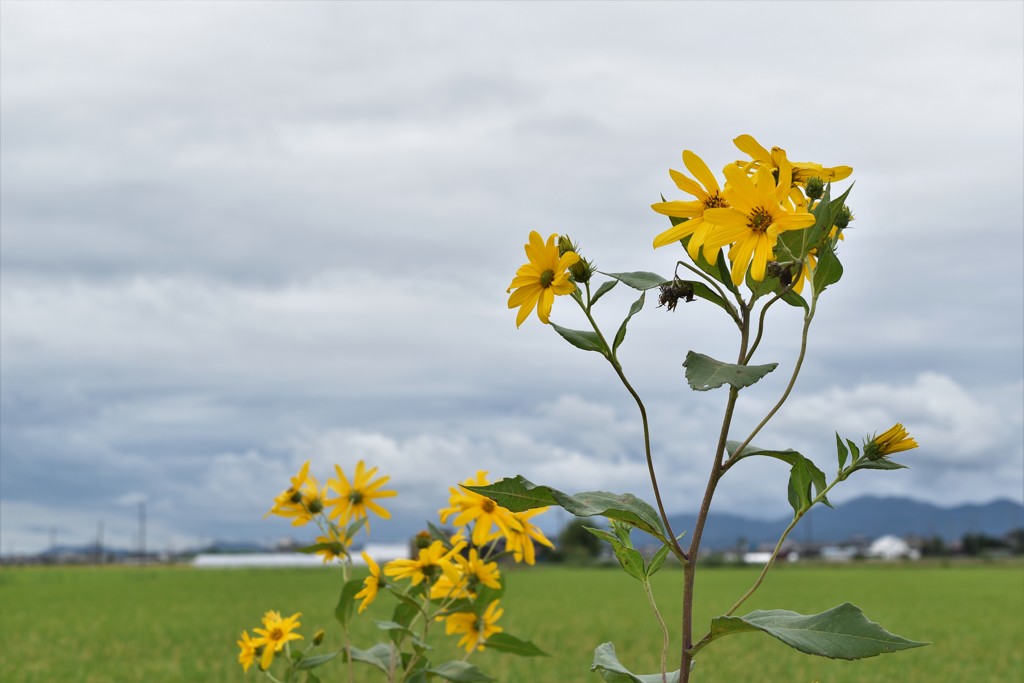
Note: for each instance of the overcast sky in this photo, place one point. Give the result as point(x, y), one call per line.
point(236, 236)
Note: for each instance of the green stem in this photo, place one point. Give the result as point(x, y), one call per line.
point(760, 321)
point(664, 630)
point(675, 547)
point(734, 458)
point(690, 570)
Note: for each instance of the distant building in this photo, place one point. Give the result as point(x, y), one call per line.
point(892, 548)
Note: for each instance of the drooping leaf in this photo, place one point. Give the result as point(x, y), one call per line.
point(611, 670)
point(503, 642)
point(803, 475)
point(633, 310)
point(519, 494)
point(346, 601)
point(704, 372)
point(602, 290)
point(639, 280)
point(842, 632)
point(581, 339)
point(459, 672)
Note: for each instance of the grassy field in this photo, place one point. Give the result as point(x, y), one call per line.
point(180, 624)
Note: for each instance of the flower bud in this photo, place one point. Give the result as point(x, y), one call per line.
point(583, 269)
point(815, 188)
point(893, 440)
point(422, 540)
point(844, 217)
point(318, 637)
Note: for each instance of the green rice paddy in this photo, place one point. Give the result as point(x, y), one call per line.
point(152, 624)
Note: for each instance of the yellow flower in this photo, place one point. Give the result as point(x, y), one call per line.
point(371, 584)
point(802, 171)
point(248, 649)
point(470, 506)
point(520, 543)
point(276, 632)
point(357, 497)
point(755, 219)
point(335, 545)
point(433, 562)
point(303, 500)
point(541, 278)
point(473, 572)
point(893, 440)
point(476, 629)
point(709, 196)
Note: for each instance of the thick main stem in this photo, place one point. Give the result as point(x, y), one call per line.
point(690, 569)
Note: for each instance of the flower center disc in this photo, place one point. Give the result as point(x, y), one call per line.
point(546, 278)
point(760, 219)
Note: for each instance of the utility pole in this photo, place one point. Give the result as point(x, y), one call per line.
point(99, 542)
point(142, 531)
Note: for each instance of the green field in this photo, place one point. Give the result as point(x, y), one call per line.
point(180, 624)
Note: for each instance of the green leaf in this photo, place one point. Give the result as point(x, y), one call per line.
point(503, 642)
point(380, 656)
point(607, 665)
point(829, 269)
point(630, 559)
point(519, 494)
point(460, 672)
point(639, 280)
point(762, 287)
point(719, 270)
point(702, 291)
point(633, 310)
point(602, 534)
point(438, 534)
point(602, 290)
point(794, 299)
point(317, 547)
point(880, 464)
point(704, 372)
point(854, 450)
point(799, 489)
point(805, 240)
point(842, 632)
point(803, 474)
point(315, 661)
point(582, 339)
point(311, 677)
point(622, 531)
point(657, 560)
point(841, 451)
point(346, 601)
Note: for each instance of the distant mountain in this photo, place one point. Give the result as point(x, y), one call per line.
point(868, 517)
